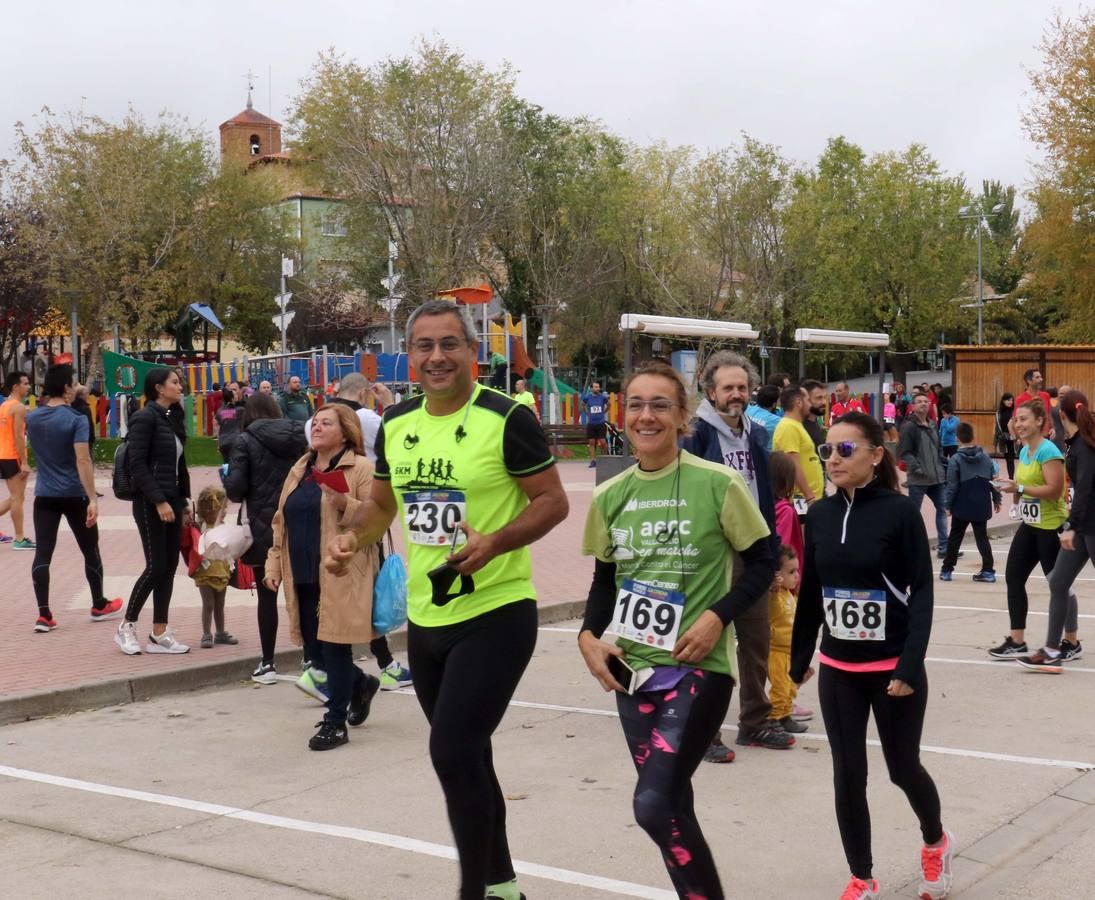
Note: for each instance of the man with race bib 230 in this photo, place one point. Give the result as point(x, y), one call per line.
point(470, 475)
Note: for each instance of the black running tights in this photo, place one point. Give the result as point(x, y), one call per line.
point(847, 700)
point(667, 733)
point(465, 675)
point(48, 512)
point(267, 615)
point(160, 541)
point(1029, 547)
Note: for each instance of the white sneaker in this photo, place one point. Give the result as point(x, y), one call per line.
point(935, 864)
point(165, 643)
point(126, 638)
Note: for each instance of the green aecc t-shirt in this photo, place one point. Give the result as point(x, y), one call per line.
point(708, 512)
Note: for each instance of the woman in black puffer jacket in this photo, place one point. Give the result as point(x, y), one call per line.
point(156, 439)
point(267, 448)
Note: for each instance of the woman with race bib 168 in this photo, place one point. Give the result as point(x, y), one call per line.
point(662, 533)
point(867, 578)
point(1039, 489)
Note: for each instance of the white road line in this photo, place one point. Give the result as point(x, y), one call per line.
point(378, 838)
point(1032, 612)
point(1038, 574)
point(817, 736)
point(1001, 663)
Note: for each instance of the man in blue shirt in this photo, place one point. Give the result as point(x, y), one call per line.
point(596, 406)
point(763, 411)
point(65, 487)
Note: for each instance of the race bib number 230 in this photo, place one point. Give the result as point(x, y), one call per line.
point(855, 615)
point(432, 517)
point(647, 614)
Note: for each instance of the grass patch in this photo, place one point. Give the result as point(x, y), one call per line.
point(200, 451)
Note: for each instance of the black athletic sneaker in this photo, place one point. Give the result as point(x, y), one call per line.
point(1009, 649)
point(329, 736)
point(1071, 651)
point(1040, 661)
point(718, 752)
point(769, 735)
point(792, 725)
point(362, 700)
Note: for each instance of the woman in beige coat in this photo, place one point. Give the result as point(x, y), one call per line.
point(327, 613)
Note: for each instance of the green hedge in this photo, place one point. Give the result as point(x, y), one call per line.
point(200, 451)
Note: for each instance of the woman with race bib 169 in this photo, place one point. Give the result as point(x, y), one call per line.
point(867, 578)
point(662, 533)
point(1039, 489)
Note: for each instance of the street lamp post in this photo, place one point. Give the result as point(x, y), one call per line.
point(967, 212)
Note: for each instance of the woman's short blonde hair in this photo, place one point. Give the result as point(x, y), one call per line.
point(348, 423)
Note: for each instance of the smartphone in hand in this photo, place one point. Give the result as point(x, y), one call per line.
point(623, 673)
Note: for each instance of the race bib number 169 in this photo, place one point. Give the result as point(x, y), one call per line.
point(647, 614)
point(855, 615)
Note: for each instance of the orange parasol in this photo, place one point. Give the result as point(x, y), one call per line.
point(472, 295)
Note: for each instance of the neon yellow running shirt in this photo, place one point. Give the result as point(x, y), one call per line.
point(465, 466)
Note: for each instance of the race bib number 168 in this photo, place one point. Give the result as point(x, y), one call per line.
point(855, 615)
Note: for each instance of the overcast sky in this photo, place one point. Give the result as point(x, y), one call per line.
point(951, 75)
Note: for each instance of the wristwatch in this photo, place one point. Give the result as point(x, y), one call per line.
point(1021, 489)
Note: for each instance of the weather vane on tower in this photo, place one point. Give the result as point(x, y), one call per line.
point(250, 86)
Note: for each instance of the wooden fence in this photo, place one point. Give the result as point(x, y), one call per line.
point(982, 374)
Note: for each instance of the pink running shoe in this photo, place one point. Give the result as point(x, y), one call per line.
point(935, 863)
point(858, 889)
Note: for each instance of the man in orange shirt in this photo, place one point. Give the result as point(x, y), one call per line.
point(13, 454)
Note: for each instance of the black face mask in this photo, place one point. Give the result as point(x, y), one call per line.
point(442, 579)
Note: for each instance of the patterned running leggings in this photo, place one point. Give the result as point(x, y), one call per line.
point(667, 733)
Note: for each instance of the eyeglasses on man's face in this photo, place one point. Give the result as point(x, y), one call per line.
point(447, 345)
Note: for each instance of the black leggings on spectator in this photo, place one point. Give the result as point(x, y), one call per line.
point(1029, 547)
point(464, 699)
point(337, 660)
point(847, 700)
point(379, 649)
point(160, 541)
point(267, 615)
point(48, 512)
point(667, 733)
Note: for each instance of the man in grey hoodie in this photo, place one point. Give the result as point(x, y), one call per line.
point(723, 433)
point(970, 498)
point(918, 449)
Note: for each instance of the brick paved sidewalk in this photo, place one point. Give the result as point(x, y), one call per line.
point(80, 653)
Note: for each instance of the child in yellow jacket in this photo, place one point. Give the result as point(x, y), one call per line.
point(781, 617)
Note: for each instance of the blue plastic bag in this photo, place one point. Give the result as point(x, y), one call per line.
point(390, 595)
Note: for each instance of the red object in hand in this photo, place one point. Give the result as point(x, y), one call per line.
point(335, 480)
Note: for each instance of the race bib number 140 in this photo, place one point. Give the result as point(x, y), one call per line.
point(1030, 510)
point(647, 614)
point(855, 615)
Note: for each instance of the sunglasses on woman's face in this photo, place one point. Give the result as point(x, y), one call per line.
point(843, 449)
